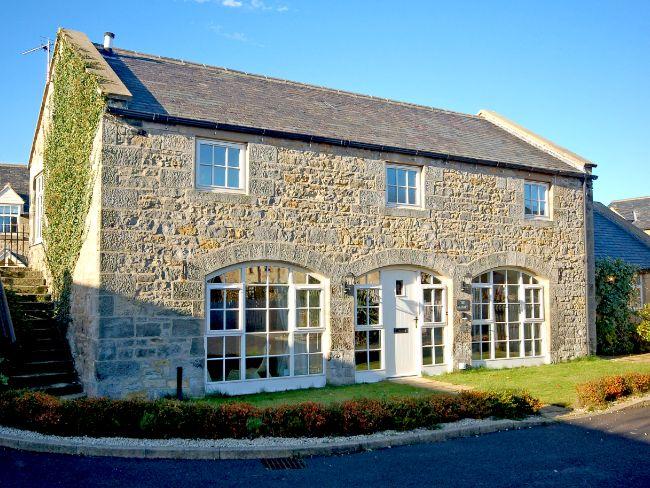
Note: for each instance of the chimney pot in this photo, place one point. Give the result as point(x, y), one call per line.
point(108, 40)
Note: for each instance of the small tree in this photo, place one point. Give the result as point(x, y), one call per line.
point(614, 290)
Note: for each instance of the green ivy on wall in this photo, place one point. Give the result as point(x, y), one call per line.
point(77, 107)
point(615, 330)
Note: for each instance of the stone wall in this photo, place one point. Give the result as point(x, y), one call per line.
point(316, 206)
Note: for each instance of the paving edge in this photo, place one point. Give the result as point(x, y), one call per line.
point(57, 445)
point(633, 402)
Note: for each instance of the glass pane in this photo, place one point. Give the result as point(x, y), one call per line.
point(437, 336)
point(527, 192)
point(401, 194)
point(538, 347)
point(256, 297)
point(513, 312)
point(374, 358)
point(278, 296)
point(301, 318)
point(499, 313)
point(426, 337)
point(513, 277)
point(216, 298)
point(205, 175)
point(218, 176)
point(528, 331)
point(501, 332)
point(216, 320)
point(362, 316)
point(401, 177)
point(411, 196)
point(439, 355)
point(233, 157)
point(391, 194)
point(278, 320)
point(514, 349)
point(255, 320)
point(215, 347)
point(361, 360)
point(428, 313)
point(301, 298)
point(300, 343)
point(476, 351)
point(299, 277)
point(315, 343)
point(360, 340)
point(476, 333)
point(427, 356)
point(437, 314)
point(316, 363)
point(256, 275)
point(391, 177)
point(255, 344)
point(411, 178)
point(314, 298)
point(374, 339)
point(499, 277)
point(255, 368)
point(528, 348)
point(205, 154)
point(278, 344)
point(233, 178)
point(215, 370)
point(232, 276)
point(232, 319)
point(500, 350)
point(233, 369)
point(513, 293)
point(278, 275)
point(232, 346)
point(301, 364)
point(314, 317)
point(513, 331)
point(279, 366)
point(372, 278)
point(232, 298)
point(373, 297)
point(373, 316)
point(312, 280)
point(220, 155)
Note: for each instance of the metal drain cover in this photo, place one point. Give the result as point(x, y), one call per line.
point(283, 463)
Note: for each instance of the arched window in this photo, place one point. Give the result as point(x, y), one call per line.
point(264, 321)
point(507, 315)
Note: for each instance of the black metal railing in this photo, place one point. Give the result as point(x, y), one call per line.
point(14, 239)
point(7, 334)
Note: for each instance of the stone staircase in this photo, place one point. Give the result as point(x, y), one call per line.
point(42, 359)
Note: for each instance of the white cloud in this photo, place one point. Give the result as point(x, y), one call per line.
point(231, 3)
point(233, 36)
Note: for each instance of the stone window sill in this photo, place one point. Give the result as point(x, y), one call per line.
point(198, 195)
point(539, 222)
point(406, 212)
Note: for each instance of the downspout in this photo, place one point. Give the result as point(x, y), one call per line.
point(589, 259)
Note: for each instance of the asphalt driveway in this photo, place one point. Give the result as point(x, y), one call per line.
point(608, 450)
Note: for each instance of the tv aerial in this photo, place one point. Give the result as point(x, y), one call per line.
point(47, 47)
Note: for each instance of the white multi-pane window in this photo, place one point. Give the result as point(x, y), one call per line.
point(507, 315)
point(220, 165)
point(264, 321)
point(9, 218)
point(368, 336)
point(403, 185)
point(433, 325)
point(536, 199)
point(38, 209)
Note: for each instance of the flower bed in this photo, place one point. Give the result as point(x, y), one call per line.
point(610, 388)
point(161, 419)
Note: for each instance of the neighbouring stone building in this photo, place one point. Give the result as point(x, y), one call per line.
point(635, 210)
point(265, 234)
point(14, 214)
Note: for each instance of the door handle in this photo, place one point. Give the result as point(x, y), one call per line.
point(416, 318)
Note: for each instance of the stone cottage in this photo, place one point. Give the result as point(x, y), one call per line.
point(264, 234)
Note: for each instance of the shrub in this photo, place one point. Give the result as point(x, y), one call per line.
point(101, 417)
point(615, 329)
point(643, 328)
point(610, 388)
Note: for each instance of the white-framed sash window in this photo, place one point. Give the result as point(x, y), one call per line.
point(507, 315)
point(434, 299)
point(264, 321)
point(536, 200)
point(403, 185)
point(220, 165)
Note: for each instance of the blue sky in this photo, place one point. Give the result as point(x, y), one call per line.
point(575, 72)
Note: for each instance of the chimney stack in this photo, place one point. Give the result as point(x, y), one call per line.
point(108, 40)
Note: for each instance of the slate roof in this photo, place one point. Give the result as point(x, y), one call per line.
point(175, 88)
point(18, 176)
point(615, 237)
point(627, 208)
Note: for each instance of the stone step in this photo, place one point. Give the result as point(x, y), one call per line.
point(46, 354)
point(28, 304)
point(53, 366)
point(9, 282)
point(26, 289)
point(33, 297)
point(38, 380)
point(64, 389)
point(20, 273)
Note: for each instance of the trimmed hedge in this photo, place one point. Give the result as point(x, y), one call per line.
point(101, 417)
point(610, 388)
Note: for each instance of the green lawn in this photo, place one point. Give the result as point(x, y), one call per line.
point(552, 383)
point(328, 394)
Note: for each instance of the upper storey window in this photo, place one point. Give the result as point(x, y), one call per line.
point(535, 200)
point(403, 185)
point(220, 165)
